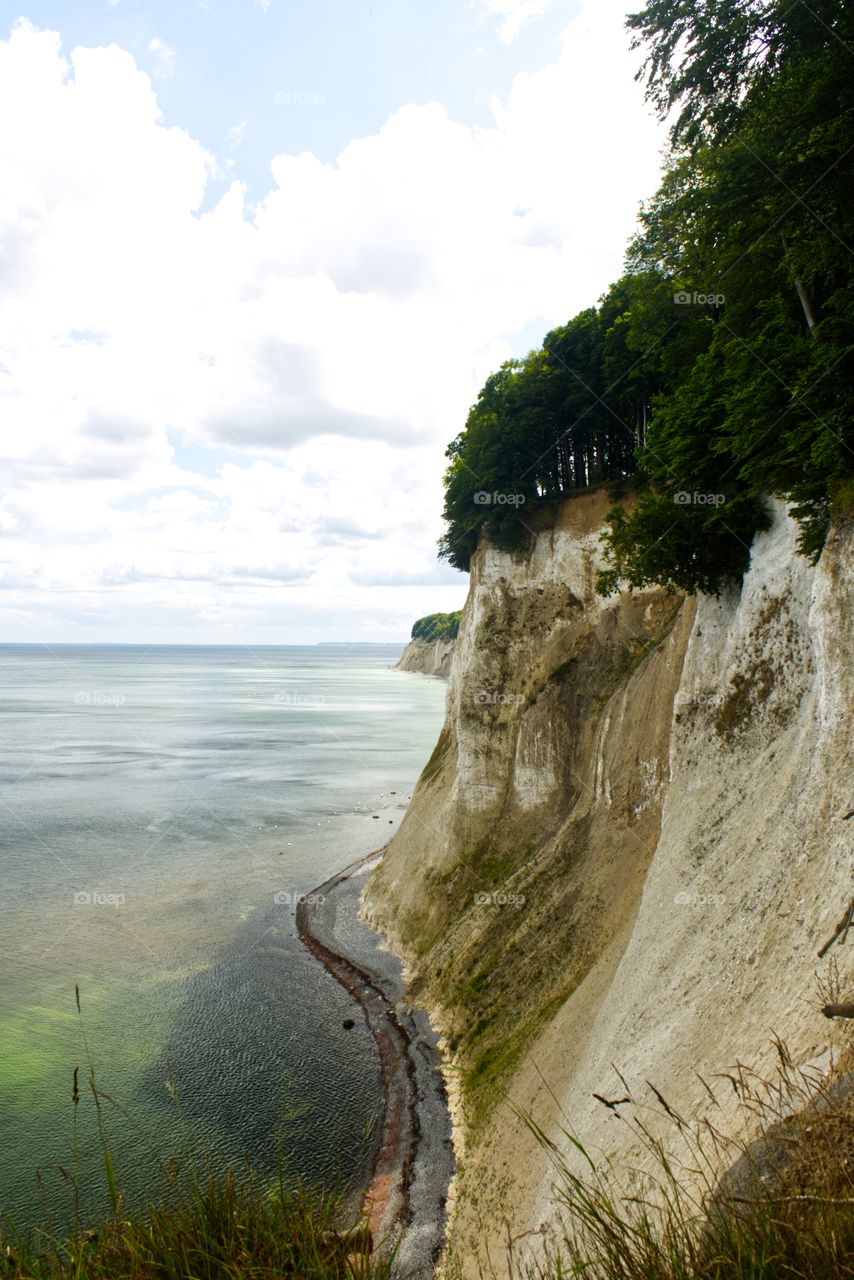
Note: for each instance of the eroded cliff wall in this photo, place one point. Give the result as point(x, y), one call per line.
point(427, 657)
point(626, 847)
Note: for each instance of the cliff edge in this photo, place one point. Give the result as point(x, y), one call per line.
point(427, 658)
point(626, 848)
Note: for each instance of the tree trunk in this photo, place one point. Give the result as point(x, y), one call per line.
point(803, 295)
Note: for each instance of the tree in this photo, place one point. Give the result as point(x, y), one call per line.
point(761, 222)
point(719, 369)
point(705, 56)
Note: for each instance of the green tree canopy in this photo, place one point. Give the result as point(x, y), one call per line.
point(437, 626)
point(719, 369)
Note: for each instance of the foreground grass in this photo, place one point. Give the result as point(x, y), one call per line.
point(784, 1210)
point(220, 1229)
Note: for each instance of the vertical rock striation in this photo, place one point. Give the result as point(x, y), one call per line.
point(427, 657)
point(627, 846)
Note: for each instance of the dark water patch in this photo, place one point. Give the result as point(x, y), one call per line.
point(260, 1058)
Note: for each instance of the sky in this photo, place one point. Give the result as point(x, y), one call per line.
point(257, 257)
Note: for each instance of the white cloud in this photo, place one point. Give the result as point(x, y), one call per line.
point(514, 14)
point(236, 134)
point(331, 338)
point(164, 56)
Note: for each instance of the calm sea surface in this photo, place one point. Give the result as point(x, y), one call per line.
point(160, 809)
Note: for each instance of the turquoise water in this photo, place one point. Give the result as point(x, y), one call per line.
point(160, 809)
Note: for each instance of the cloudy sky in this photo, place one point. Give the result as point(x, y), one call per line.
point(257, 258)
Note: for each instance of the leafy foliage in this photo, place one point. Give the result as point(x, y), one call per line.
point(437, 626)
point(719, 369)
point(568, 416)
point(701, 55)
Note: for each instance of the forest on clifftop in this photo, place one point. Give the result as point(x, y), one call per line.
point(719, 368)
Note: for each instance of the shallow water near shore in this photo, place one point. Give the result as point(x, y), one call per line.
point(161, 810)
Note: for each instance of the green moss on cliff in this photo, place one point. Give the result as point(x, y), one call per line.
point(526, 950)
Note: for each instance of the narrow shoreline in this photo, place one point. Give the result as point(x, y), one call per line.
point(413, 1166)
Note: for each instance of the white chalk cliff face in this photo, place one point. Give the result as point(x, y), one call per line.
point(427, 658)
point(627, 847)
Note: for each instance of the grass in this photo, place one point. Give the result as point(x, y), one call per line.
point(783, 1210)
point(219, 1228)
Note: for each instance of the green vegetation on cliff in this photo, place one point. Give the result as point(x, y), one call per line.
point(720, 368)
point(229, 1228)
point(783, 1210)
point(437, 626)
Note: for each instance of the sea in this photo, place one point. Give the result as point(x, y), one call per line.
point(161, 810)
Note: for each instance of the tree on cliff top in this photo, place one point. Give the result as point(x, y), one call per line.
point(720, 368)
point(437, 626)
point(704, 56)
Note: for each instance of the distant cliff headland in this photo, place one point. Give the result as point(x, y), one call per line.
point(431, 645)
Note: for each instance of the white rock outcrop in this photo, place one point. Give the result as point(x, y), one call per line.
point(657, 788)
point(427, 658)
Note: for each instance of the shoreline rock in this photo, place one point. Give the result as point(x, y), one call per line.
point(414, 1160)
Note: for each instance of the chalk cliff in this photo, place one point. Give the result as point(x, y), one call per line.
point(427, 657)
point(626, 848)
